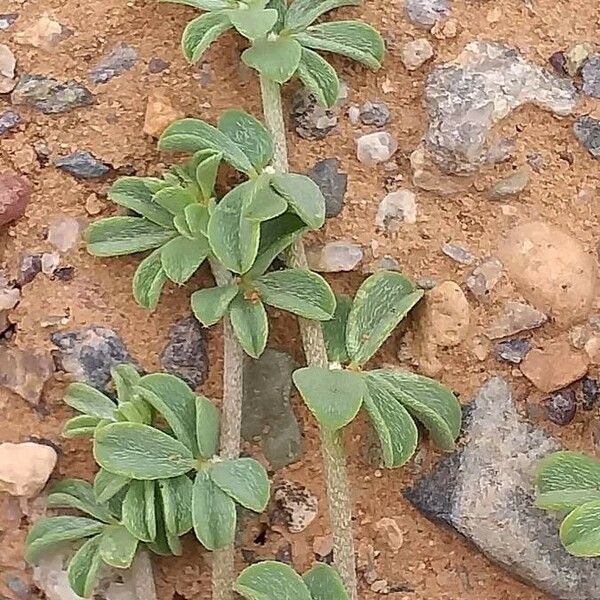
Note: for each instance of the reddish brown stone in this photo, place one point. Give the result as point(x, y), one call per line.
point(15, 192)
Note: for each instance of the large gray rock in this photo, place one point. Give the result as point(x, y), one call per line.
point(50, 96)
point(485, 83)
point(485, 492)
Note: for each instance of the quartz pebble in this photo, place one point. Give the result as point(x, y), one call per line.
point(63, 233)
point(375, 148)
point(416, 53)
point(334, 256)
point(484, 278)
point(397, 208)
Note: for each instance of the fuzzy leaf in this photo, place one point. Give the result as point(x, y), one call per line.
point(254, 22)
point(566, 480)
point(270, 580)
point(209, 305)
point(125, 377)
point(139, 513)
point(381, 302)
point(250, 325)
point(303, 13)
point(580, 531)
point(213, 513)
point(276, 60)
point(116, 236)
point(90, 401)
point(148, 280)
point(79, 494)
point(196, 218)
point(319, 78)
point(243, 479)
point(325, 583)
point(80, 426)
point(207, 427)
point(281, 7)
point(176, 494)
point(333, 396)
point(84, 568)
point(206, 174)
point(182, 257)
point(118, 547)
point(303, 197)
point(201, 32)
point(140, 452)
point(353, 39)
point(264, 202)
point(334, 330)
point(303, 293)
point(107, 485)
point(127, 411)
point(175, 199)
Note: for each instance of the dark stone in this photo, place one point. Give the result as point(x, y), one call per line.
point(312, 122)
point(31, 265)
point(374, 113)
point(559, 62)
point(561, 407)
point(48, 95)
point(19, 587)
point(284, 554)
point(64, 273)
point(591, 76)
point(587, 131)
point(88, 354)
point(122, 58)
point(590, 391)
point(82, 164)
point(7, 19)
point(332, 183)
point(157, 65)
point(513, 351)
point(249, 556)
point(9, 119)
point(186, 352)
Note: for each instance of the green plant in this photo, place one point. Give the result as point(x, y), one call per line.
point(569, 482)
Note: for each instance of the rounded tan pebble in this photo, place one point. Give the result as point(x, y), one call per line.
point(25, 468)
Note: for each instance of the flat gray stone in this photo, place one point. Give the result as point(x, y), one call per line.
point(267, 411)
point(50, 96)
point(121, 59)
point(82, 164)
point(332, 183)
point(9, 119)
point(426, 13)
point(587, 131)
point(485, 493)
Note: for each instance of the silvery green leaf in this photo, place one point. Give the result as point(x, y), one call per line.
point(79, 494)
point(353, 39)
point(209, 305)
point(201, 32)
point(303, 13)
point(127, 411)
point(250, 324)
point(334, 330)
point(270, 580)
point(303, 197)
point(281, 7)
point(80, 426)
point(174, 199)
point(125, 377)
point(182, 257)
point(319, 78)
point(243, 479)
point(118, 547)
point(207, 427)
point(276, 59)
point(206, 174)
point(182, 226)
point(90, 401)
point(139, 512)
point(325, 583)
point(580, 531)
point(148, 280)
point(253, 22)
point(84, 568)
point(196, 217)
point(249, 134)
point(107, 485)
point(264, 202)
point(176, 495)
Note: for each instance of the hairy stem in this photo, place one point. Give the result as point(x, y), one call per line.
point(142, 577)
point(223, 571)
point(338, 490)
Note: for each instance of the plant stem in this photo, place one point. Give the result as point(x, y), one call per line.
point(223, 571)
point(142, 577)
point(332, 449)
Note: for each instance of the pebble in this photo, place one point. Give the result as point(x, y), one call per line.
point(160, 113)
point(416, 53)
point(45, 33)
point(558, 62)
point(7, 69)
point(25, 371)
point(15, 193)
point(25, 468)
point(333, 184)
point(561, 407)
point(426, 13)
point(157, 65)
point(576, 56)
point(517, 317)
point(374, 113)
point(500, 151)
point(512, 185)
point(383, 263)
point(551, 270)
point(458, 253)
point(391, 533)
point(587, 131)
point(9, 295)
point(63, 233)
point(50, 262)
point(297, 506)
point(83, 164)
point(591, 76)
point(333, 257)
point(429, 177)
point(484, 278)
point(93, 205)
point(186, 353)
point(322, 545)
point(397, 208)
point(20, 588)
point(9, 119)
point(30, 266)
point(312, 121)
point(50, 96)
point(590, 391)
point(122, 58)
point(554, 366)
point(7, 19)
point(375, 148)
point(513, 351)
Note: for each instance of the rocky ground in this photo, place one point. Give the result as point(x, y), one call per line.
point(469, 162)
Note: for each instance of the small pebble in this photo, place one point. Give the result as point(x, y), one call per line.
point(576, 56)
point(512, 185)
point(458, 253)
point(50, 262)
point(513, 351)
point(312, 122)
point(333, 184)
point(591, 391)
point(374, 113)
point(7, 69)
point(334, 257)
point(7, 19)
point(416, 53)
point(157, 65)
point(426, 13)
point(587, 131)
point(82, 164)
point(122, 58)
point(9, 119)
point(31, 265)
point(484, 278)
point(558, 62)
point(15, 193)
point(63, 233)
point(561, 407)
point(397, 208)
point(591, 76)
point(375, 148)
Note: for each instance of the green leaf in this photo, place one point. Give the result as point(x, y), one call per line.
point(201, 32)
point(127, 411)
point(175, 199)
point(209, 5)
point(324, 583)
point(140, 452)
point(116, 236)
point(207, 427)
point(173, 399)
point(250, 325)
point(281, 7)
point(79, 494)
point(176, 495)
point(264, 203)
point(566, 480)
point(333, 396)
point(108, 485)
point(580, 531)
point(118, 547)
point(181, 257)
point(134, 194)
point(253, 22)
point(303, 197)
point(303, 13)
point(50, 532)
point(90, 401)
point(243, 479)
point(211, 304)
point(206, 176)
point(319, 78)
point(276, 59)
point(393, 424)
point(428, 401)
point(80, 426)
point(270, 580)
point(125, 377)
point(148, 280)
point(139, 513)
point(196, 218)
point(192, 135)
point(84, 568)
point(213, 513)
point(334, 330)
point(301, 292)
point(233, 238)
point(353, 39)
point(381, 302)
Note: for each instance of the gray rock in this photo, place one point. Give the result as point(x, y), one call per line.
point(334, 257)
point(561, 407)
point(426, 13)
point(512, 185)
point(484, 278)
point(7, 19)
point(186, 352)
point(375, 148)
point(374, 113)
point(591, 392)
point(332, 183)
point(513, 351)
point(82, 164)
point(587, 131)
point(20, 588)
point(466, 97)
point(48, 95)
point(121, 59)
point(9, 119)
point(312, 122)
point(517, 317)
point(416, 53)
point(485, 493)
point(89, 353)
point(31, 265)
point(267, 413)
point(295, 506)
point(397, 208)
point(383, 263)
point(458, 253)
point(591, 76)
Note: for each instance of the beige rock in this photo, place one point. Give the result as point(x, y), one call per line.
point(592, 349)
point(517, 317)
point(7, 69)
point(551, 270)
point(555, 366)
point(427, 176)
point(160, 113)
point(25, 372)
point(390, 532)
point(45, 33)
point(25, 468)
point(416, 53)
point(322, 545)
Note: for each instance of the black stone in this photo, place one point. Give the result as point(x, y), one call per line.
point(64, 273)
point(31, 265)
point(590, 391)
point(513, 351)
point(332, 183)
point(587, 131)
point(561, 407)
point(9, 119)
point(49, 95)
point(82, 164)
